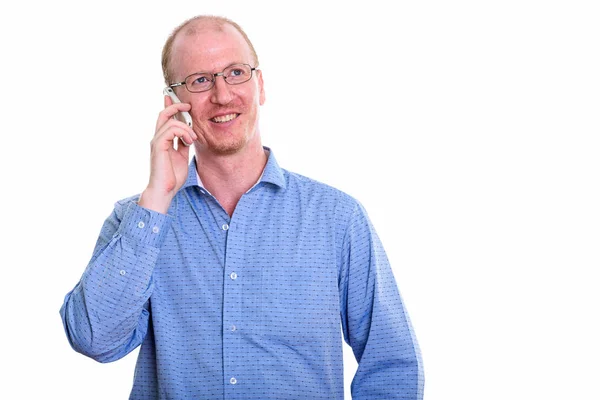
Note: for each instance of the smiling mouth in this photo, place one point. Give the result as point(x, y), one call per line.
point(224, 118)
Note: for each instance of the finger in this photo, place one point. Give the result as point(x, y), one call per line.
point(184, 151)
point(170, 111)
point(174, 123)
point(168, 101)
point(165, 138)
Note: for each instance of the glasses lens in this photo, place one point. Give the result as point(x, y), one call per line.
point(199, 82)
point(238, 73)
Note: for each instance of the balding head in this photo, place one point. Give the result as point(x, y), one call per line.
point(193, 26)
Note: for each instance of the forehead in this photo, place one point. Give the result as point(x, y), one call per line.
point(208, 48)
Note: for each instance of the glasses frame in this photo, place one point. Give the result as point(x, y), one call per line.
point(214, 78)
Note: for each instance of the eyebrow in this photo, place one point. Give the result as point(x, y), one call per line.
point(229, 65)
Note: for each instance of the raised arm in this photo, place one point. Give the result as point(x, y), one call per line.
point(106, 315)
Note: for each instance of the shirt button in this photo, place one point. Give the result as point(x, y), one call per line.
point(233, 328)
point(155, 229)
point(225, 227)
point(141, 224)
point(233, 381)
point(122, 272)
point(233, 276)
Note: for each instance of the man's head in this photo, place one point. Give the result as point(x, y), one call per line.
point(189, 27)
point(225, 117)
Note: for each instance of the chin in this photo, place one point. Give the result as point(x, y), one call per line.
point(226, 148)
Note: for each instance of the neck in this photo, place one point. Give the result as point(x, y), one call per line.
point(228, 177)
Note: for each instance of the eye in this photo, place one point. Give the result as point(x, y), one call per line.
point(238, 73)
point(198, 82)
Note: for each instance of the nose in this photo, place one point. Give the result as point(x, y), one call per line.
point(221, 91)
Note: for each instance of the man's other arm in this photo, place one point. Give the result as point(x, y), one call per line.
point(374, 321)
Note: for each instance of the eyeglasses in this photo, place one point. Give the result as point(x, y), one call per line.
point(203, 81)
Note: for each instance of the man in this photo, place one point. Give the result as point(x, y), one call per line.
point(233, 273)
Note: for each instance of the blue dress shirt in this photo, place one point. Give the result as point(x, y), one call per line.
point(248, 307)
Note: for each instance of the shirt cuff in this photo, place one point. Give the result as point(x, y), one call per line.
point(147, 226)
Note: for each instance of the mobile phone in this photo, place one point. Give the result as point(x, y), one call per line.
point(183, 116)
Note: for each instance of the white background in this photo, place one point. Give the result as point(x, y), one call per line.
point(468, 129)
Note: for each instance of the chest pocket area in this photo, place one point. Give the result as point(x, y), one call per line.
point(297, 301)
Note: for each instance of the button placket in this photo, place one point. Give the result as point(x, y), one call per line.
point(232, 302)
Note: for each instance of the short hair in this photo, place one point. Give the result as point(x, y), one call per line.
point(217, 21)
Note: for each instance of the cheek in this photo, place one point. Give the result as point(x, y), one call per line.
point(198, 109)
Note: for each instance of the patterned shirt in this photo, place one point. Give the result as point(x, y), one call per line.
point(252, 306)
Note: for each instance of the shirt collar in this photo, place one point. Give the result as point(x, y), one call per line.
point(272, 173)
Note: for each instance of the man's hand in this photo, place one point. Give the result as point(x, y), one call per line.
point(168, 166)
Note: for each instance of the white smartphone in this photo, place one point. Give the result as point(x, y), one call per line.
point(183, 116)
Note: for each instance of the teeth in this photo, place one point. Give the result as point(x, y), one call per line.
point(224, 118)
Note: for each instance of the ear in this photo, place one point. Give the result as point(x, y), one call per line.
point(261, 87)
